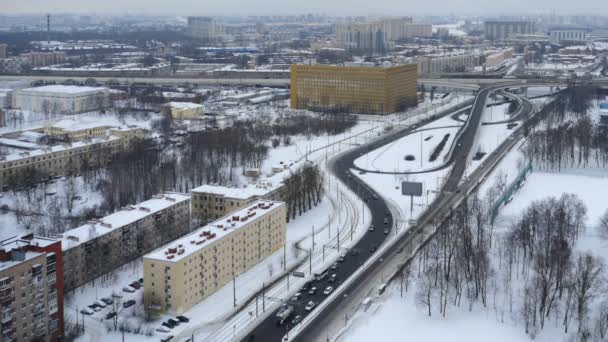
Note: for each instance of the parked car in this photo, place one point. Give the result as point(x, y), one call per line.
point(310, 306)
point(183, 319)
point(328, 290)
point(100, 304)
point(173, 321)
point(163, 329)
point(136, 285)
point(400, 249)
point(110, 315)
point(141, 280)
point(312, 291)
point(108, 301)
point(128, 303)
point(87, 311)
point(128, 289)
point(168, 325)
point(116, 295)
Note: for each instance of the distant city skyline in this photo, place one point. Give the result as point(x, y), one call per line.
point(336, 7)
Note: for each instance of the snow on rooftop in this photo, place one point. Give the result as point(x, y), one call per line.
point(89, 231)
point(212, 232)
point(184, 105)
point(57, 148)
point(65, 89)
point(73, 125)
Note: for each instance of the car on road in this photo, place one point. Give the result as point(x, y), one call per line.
point(296, 297)
point(111, 315)
point(372, 248)
point(333, 278)
point(306, 287)
point(321, 277)
point(183, 319)
point(385, 220)
point(296, 320)
point(371, 228)
point(386, 231)
point(399, 250)
point(334, 267)
point(128, 303)
point(328, 290)
point(375, 196)
point(354, 252)
point(310, 306)
point(341, 258)
point(312, 291)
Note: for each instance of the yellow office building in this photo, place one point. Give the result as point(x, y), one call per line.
point(370, 90)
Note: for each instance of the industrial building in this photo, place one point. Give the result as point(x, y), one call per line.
point(559, 35)
point(71, 130)
point(101, 246)
point(186, 271)
point(31, 289)
point(501, 30)
point(370, 90)
point(61, 99)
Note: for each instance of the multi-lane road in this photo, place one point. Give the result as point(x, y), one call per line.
point(454, 191)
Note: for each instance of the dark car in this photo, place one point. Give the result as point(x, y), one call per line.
point(136, 285)
point(173, 321)
point(183, 319)
point(168, 325)
point(306, 287)
point(128, 303)
point(296, 320)
point(111, 315)
point(372, 249)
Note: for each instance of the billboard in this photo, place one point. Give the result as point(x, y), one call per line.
point(411, 188)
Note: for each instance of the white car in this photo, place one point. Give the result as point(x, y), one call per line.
point(328, 290)
point(163, 329)
point(87, 311)
point(128, 289)
point(310, 306)
point(100, 303)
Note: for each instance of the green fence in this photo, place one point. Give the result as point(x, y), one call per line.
point(511, 189)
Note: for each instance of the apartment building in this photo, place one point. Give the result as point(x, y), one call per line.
point(500, 30)
point(100, 246)
point(204, 28)
point(61, 99)
point(362, 37)
point(61, 160)
point(31, 289)
point(497, 58)
point(370, 90)
point(443, 63)
point(416, 30)
point(188, 270)
point(40, 59)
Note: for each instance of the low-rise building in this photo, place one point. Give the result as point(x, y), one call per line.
point(61, 99)
point(72, 130)
point(568, 34)
point(64, 159)
point(31, 289)
point(183, 110)
point(100, 246)
point(186, 271)
point(450, 62)
point(496, 58)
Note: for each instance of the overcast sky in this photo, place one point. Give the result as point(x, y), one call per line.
point(332, 7)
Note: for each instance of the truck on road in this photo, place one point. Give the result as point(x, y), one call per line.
point(284, 314)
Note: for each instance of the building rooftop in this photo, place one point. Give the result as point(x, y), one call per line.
point(73, 125)
point(56, 148)
point(21, 243)
point(184, 105)
point(64, 89)
point(204, 236)
point(130, 214)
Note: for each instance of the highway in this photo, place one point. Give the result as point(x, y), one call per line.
point(389, 261)
point(269, 330)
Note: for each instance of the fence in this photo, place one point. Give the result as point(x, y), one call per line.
point(510, 190)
